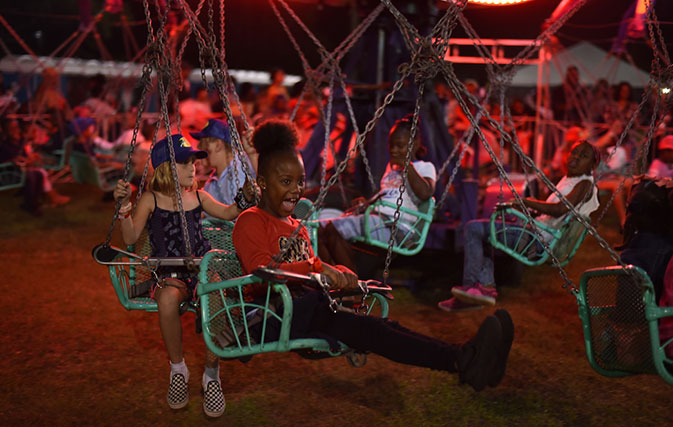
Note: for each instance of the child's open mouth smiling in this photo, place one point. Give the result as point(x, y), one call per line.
point(289, 204)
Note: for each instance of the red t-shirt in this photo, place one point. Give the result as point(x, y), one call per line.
point(258, 237)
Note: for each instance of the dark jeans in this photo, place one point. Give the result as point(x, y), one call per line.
point(312, 318)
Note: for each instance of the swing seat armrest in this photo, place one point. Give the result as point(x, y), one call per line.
point(426, 215)
point(525, 222)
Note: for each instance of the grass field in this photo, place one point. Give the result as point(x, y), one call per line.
point(74, 356)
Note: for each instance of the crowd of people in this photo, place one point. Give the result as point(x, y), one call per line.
point(217, 181)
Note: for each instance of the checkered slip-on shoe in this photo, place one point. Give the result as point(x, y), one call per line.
point(213, 399)
point(178, 392)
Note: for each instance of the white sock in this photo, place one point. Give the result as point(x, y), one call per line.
point(211, 374)
point(180, 368)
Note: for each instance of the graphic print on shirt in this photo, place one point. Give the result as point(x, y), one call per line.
point(298, 250)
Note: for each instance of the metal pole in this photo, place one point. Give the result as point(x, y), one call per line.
point(379, 65)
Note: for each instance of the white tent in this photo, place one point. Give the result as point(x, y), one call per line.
point(592, 62)
point(26, 64)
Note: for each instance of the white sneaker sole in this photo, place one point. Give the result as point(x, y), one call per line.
point(469, 298)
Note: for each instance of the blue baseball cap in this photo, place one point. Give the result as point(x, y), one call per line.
point(182, 148)
point(214, 129)
point(80, 124)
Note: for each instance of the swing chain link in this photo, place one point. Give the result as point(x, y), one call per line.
point(166, 81)
point(331, 62)
point(363, 307)
point(145, 82)
point(342, 166)
point(403, 184)
point(222, 80)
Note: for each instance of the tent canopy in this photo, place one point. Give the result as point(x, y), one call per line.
point(592, 62)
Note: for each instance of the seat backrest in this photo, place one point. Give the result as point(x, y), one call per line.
point(419, 232)
point(616, 329)
point(572, 235)
point(301, 211)
point(84, 171)
point(302, 208)
point(11, 176)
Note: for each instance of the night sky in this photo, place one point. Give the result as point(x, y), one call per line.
point(255, 39)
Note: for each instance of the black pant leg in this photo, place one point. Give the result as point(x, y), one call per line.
point(386, 338)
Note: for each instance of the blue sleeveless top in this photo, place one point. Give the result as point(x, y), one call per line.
point(166, 236)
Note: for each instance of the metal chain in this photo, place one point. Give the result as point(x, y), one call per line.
point(528, 161)
point(166, 81)
point(403, 184)
point(145, 83)
point(222, 81)
point(342, 165)
point(331, 62)
point(326, 119)
point(222, 24)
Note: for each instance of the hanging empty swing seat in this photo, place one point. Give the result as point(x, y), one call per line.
point(620, 321)
point(11, 176)
point(86, 171)
point(514, 234)
point(412, 231)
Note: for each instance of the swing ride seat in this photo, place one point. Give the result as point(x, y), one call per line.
point(11, 176)
point(411, 240)
point(85, 171)
point(227, 316)
point(301, 211)
point(59, 159)
point(218, 233)
point(620, 320)
point(524, 247)
point(132, 283)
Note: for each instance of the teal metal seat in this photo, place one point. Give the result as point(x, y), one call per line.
point(620, 321)
point(132, 283)
point(218, 232)
point(85, 171)
point(412, 230)
point(11, 176)
point(301, 212)
point(59, 159)
point(524, 246)
point(227, 316)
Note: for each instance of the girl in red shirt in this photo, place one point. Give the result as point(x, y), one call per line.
point(262, 234)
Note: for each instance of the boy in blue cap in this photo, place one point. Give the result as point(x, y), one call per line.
point(215, 139)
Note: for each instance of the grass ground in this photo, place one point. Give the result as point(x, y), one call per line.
point(74, 356)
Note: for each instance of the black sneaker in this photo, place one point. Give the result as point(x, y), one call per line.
point(507, 327)
point(477, 363)
point(178, 392)
point(213, 399)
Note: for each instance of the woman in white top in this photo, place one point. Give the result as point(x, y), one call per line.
point(578, 186)
point(420, 186)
